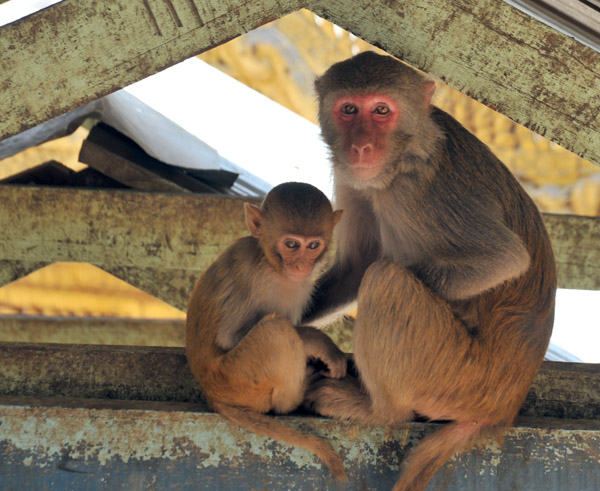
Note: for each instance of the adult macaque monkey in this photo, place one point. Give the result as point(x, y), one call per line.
point(241, 343)
point(456, 271)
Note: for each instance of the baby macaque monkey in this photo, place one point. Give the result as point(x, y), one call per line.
point(242, 343)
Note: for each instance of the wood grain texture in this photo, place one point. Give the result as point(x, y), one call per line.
point(161, 243)
point(576, 245)
point(560, 390)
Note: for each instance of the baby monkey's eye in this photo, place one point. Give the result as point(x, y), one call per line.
point(314, 245)
point(292, 244)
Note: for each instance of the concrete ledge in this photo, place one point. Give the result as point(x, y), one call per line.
point(89, 444)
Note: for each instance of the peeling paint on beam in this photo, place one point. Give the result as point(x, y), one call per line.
point(117, 228)
point(575, 241)
point(495, 54)
point(161, 243)
point(162, 446)
point(489, 50)
point(173, 286)
point(560, 390)
point(11, 270)
point(77, 51)
point(96, 372)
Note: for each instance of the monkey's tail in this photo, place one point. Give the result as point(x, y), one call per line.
point(433, 452)
point(265, 426)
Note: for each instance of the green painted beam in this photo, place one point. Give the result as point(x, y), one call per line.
point(576, 245)
point(493, 53)
point(560, 390)
point(92, 330)
point(161, 243)
point(11, 270)
point(117, 228)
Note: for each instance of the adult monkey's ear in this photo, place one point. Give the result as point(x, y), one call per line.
point(428, 91)
point(337, 214)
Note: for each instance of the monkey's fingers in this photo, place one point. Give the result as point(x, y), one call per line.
point(336, 366)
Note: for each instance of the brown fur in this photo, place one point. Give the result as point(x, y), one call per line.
point(241, 346)
point(456, 272)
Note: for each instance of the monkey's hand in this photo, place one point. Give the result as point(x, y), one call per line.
point(319, 346)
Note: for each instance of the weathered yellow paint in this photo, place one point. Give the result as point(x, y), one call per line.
point(80, 289)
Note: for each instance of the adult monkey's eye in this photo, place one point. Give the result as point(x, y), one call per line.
point(382, 110)
point(349, 109)
point(292, 244)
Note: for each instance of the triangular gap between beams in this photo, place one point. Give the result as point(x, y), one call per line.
point(80, 289)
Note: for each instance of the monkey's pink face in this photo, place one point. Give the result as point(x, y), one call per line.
point(299, 254)
point(365, 121)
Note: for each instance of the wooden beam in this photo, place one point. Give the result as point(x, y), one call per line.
point(119, 157)
point(77, 51)
point(173, 286)
point(11, 270)
point(88, 417)
point(493, 53)
point(117, 228)
point(162, 243)
point(576, 244)
point(92, 330)
point(560, 390)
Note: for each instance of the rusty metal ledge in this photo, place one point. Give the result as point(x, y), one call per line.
point(560, 390)
point(74, 444)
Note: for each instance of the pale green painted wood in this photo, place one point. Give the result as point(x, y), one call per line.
point(576, 244)
point(15, 269)
point(162, 242)
point(92, 330)
point(117, 228)
point(173, 286)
